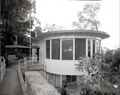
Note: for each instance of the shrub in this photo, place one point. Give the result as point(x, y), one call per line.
point(116, 58)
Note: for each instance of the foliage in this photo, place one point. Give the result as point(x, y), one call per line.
point(108, 56)
point(96, 69)
point(88, 91)
point(112, 58)
point(90, 68)
point(116, 58)
point(13, 21)
point(53, 27)
point(99, 69)
point(87, 17)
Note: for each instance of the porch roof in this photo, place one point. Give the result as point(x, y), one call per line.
point(21, 46)
point(99, 34)
point(16, 46)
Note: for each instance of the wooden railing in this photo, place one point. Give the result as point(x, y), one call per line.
point(29, 64)
point(22, 82)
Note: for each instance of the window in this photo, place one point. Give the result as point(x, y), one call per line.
point(80, 48)
point(98, 46)
point(48, 49)
point(56, 49)
point(93, 48)
point(37, 54)
point(89, 47)
point(70, 78)
point(67, 49)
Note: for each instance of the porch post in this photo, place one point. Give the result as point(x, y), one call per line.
point(86, 47)
point(91, 49)
point(74, 48)
point(60, 48)
point(60, 80)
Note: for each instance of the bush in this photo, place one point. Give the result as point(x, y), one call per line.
point(108, 56)
point(116, 58)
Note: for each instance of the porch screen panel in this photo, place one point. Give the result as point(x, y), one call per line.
point(67, 49)
point(48, 49)
point(93, 48)
point(89, 48)
point(80, 48)
point(98, 46)
point(56, 49)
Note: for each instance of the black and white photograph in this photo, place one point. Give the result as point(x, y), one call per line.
point(59, 47)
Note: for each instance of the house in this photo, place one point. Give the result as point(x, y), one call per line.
point(59, 51)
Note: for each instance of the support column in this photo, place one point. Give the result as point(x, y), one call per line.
point(47, 76)
point(91, 49)
point(95, 47)
point(50, 49)
point(60, 80)
point(60, 48)
point(86, 47)
point(43, 49)
point(73, 48)
point(0, 42)
point(100, 46)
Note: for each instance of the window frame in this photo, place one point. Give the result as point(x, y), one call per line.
point(53, 50)
point(83, 39)
point(66, 39)
point(48, 57)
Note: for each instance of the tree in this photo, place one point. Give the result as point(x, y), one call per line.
point(14, 22)
point(90, 67)
point(108, 56)
point(112, 57)
point(87, 17)
point(93, 76)
point(53, 27)
point(116, 59)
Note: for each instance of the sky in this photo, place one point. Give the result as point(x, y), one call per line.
point(64, 12)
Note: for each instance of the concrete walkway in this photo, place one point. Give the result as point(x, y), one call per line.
point(10, 84)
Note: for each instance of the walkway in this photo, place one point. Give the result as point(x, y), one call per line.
point(10, 84)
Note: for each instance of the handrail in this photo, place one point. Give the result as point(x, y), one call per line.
point(23, 86)
point(28, 64)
